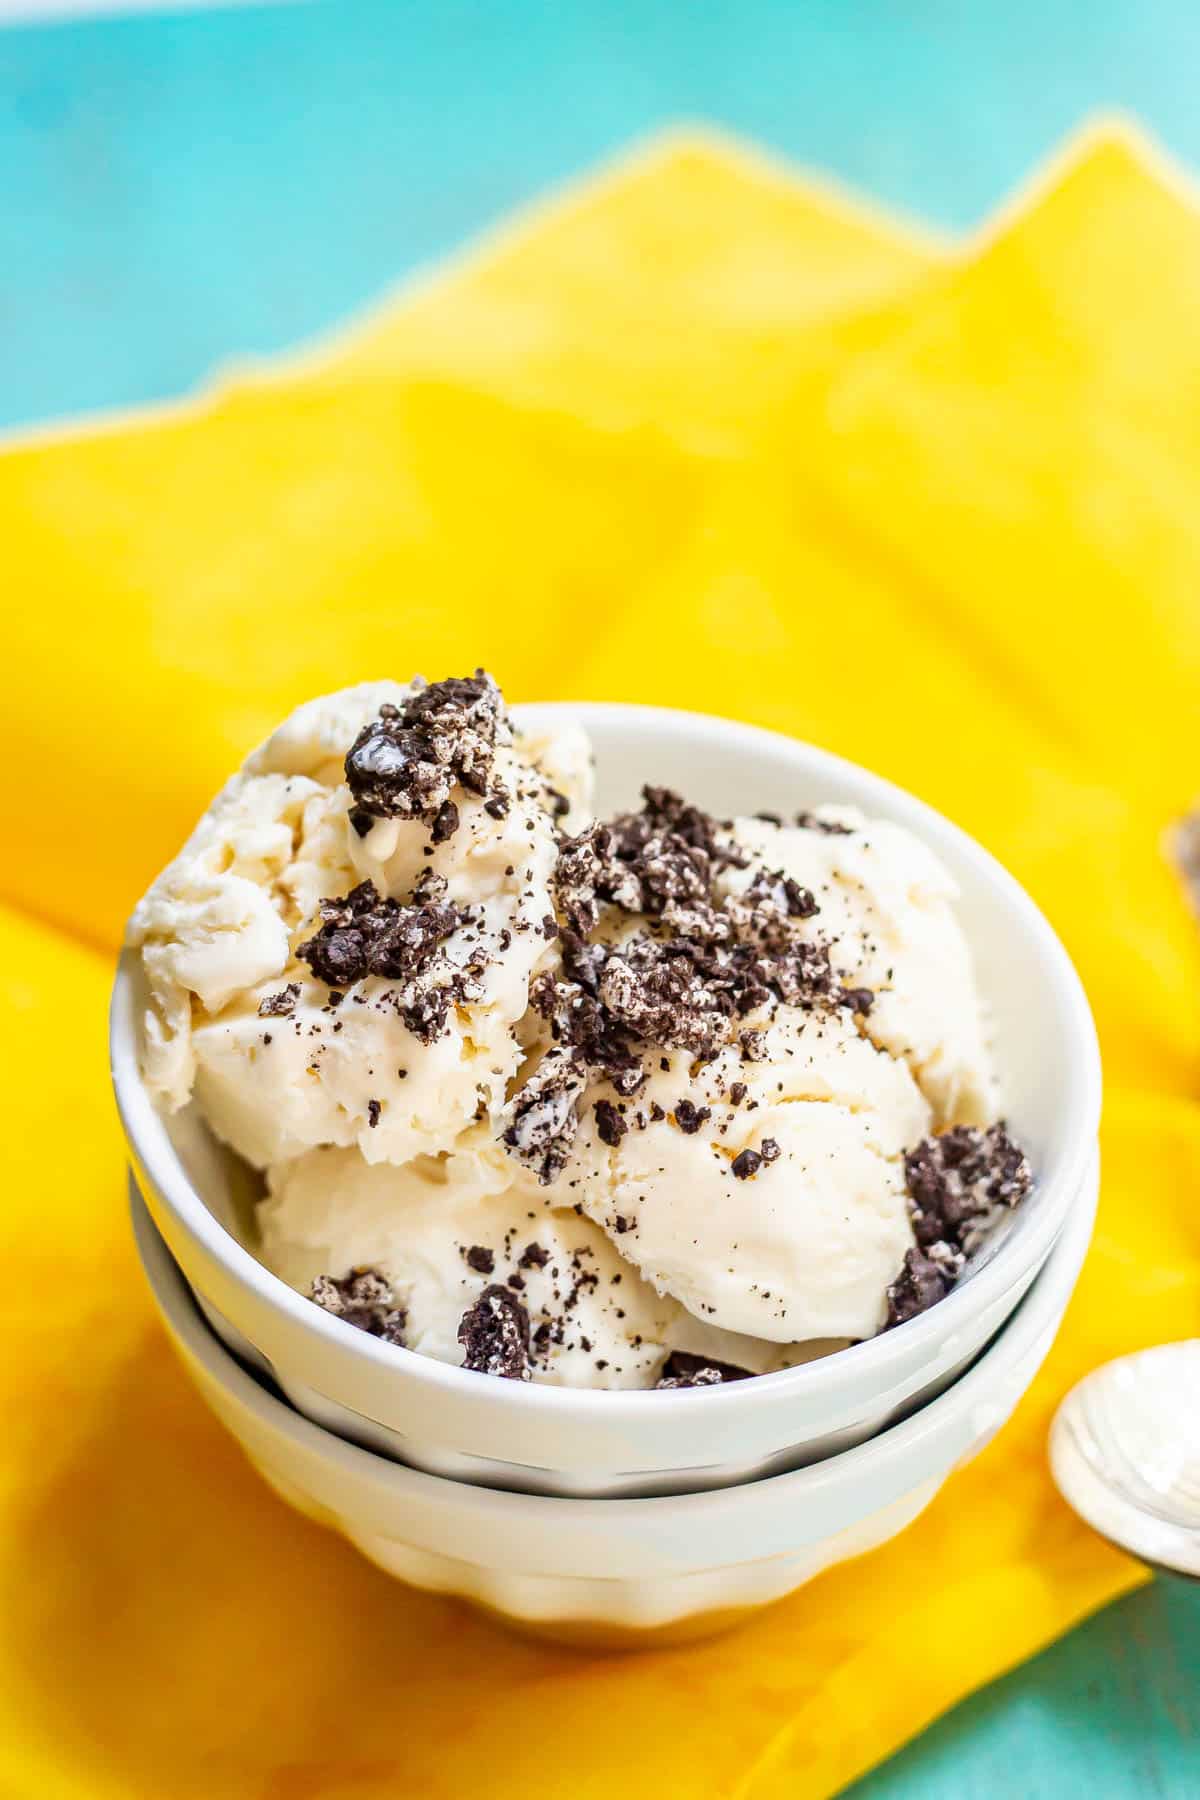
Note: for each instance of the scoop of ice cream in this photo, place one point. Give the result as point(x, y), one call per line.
point(440, 1240)
point(331, 963)
point(765, 1192)
point(886, 907)
point(712, 1088)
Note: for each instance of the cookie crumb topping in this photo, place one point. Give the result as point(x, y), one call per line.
point(405, 763)
point(682, 1369)
point(280, 1005)
point(919, 1285)
point(494, 1334)
point(363, 933)
point(961, 1181)
point(707, 955)
point(364, 1299)
point(959, 1184)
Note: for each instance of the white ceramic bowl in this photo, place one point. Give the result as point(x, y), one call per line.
point(619, 1571)
point(551, 1440)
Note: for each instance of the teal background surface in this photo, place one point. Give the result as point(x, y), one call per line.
point(176, 190)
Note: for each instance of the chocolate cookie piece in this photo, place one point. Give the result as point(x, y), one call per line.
point(494, 1334)
point(919, 1285)
point(280, 1005)
point(545, 1114)
point(405, 763)
point(683, 1369)
point(689, 1117)
point(365, 933)
point(610, 1126)
point(959, 1182)
point(364, 1299)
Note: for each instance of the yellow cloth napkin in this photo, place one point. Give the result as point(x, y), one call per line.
point(700, 432)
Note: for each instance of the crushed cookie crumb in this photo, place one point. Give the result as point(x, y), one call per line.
point(610, 1126)
point(494, 1334)
point(689, 1117)
point(280, 1005)
point(363, 1299)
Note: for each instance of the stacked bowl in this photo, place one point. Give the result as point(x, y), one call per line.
point(619, 1515)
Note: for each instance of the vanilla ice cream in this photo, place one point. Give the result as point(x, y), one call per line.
point(661, 1100)
point(751, 1029)
point(439, 1238)
point(437, 902)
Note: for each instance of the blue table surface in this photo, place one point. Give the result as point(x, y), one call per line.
point(177, 189)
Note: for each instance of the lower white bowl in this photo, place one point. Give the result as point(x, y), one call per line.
point(625, 1571)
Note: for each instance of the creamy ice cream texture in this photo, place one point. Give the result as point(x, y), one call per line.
point(657, 1100)
point(280, 1061)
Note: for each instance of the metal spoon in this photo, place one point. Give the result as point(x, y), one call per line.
point(1125, 1452)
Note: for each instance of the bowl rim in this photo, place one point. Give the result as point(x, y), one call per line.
point(904, 1445)
point(867, 1364)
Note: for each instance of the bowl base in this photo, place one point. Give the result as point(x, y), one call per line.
point(612, 1639)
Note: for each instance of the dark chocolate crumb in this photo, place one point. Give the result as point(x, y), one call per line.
point(610, 1126)
point(682, 1369)
point(494, 1334)
point(445, 822)
point(769, 1150)
point(958, 1184)
point(689, 1117)
point(737, 1093)
point(363, 933)
point(533, 1256)
point(919, 1285)
point(748, 1163)
point(960, 1181)
point(404, 764)
point(481, 1259)
point(373, 1111)
point(280, 1005)
point(545, 1113)
point(363, 1299)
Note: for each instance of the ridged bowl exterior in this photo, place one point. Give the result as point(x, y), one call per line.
point(618, 1571)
